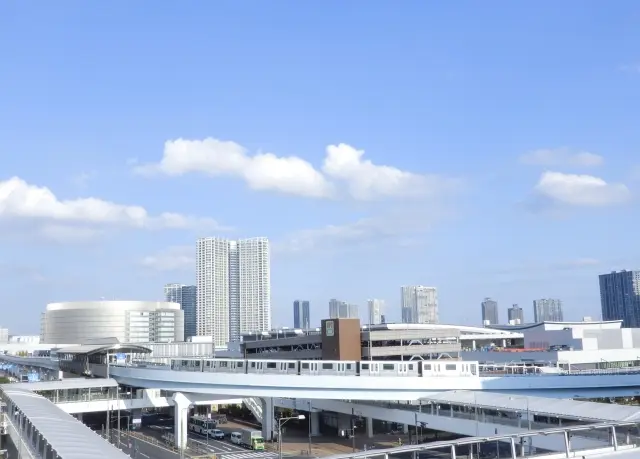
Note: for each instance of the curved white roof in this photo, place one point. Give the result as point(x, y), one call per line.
point(462, 328)
point(113, 305)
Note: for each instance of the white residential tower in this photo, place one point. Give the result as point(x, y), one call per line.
point(419, 304)
point(234, 288)
point(376, 308)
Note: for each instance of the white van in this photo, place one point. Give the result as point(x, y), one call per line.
point(236, 438)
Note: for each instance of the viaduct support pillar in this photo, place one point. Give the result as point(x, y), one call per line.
point(267, 418)
point(315, 423)
point(181, 406)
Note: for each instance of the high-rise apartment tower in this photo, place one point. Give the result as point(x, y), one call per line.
point(419, 304)
point(186, 297)
point(375, 309)
point(301, 314)
point(489, 312)
point(342, 310)
point(547, 310)
point(234, 288)
point(620, 297)
point(515, 315)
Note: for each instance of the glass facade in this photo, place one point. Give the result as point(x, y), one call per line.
point(620, 297)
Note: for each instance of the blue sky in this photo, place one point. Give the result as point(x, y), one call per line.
point(500, 149)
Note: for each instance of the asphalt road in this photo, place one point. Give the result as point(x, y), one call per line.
point(220, 447)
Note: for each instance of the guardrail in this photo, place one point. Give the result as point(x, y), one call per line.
point(625, 436)
point(23, 447)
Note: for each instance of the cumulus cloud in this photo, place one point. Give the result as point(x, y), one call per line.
point(401, 227)
point(561, 157)
point(175, 258)
point(344, 164)
point(20, 200)
point(580, 190)
point(366, 180)
point(264, 171)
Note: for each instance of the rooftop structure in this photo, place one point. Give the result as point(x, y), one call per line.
point(382, 341)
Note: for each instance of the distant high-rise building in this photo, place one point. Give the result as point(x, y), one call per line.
point(375, 311)
point(301, 314)
point(515, 314)
point(547, 310)
point(342, 310)
point(383, 319)
point(489, 312)
point(233, 288)
point(419, 304)
point(186, 297)
point(620, 297)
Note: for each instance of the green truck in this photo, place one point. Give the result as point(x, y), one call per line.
point(252, 439)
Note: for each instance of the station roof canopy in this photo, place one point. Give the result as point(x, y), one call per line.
point(67, 383)
point(91, 349)
point(68, 437)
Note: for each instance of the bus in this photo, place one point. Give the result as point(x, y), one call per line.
point(201, 425)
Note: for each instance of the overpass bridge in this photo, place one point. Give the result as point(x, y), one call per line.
point(262, 388)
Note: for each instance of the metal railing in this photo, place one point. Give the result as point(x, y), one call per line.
point(518, 444)
point(24, 448)
point(628, 436)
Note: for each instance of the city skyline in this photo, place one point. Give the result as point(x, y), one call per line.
point(395, 170)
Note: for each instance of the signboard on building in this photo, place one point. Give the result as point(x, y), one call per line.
point(121, 359)
point(329, 328)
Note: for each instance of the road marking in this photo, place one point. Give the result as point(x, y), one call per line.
point(250, 455)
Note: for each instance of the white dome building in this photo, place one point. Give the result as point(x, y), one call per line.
point(128, 321)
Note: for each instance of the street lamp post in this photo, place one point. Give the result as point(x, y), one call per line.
point(310, 420)
point(281, 422)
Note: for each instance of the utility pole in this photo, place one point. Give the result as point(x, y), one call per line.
point(353, 429)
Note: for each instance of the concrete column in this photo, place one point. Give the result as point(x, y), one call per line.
point(181, 406)
point(315, 423)
point(60, 375)
point(405, 429)
point(267, 418)
point(136, 418)
point(79, 416)
point(369, 427)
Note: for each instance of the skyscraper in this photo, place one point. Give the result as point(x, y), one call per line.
point(516, 314)
point(547, 310)
point(620, 297)
point(254, 290)
point(301, 314)
point(376, 307)
point(185, 296)
point(233, 288)
point(489, 312)
point(419, 304)
point(342, 310)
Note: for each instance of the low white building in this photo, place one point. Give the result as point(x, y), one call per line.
point(127, 321)
point(584, 345)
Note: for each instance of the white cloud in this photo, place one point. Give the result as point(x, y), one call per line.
point(69, 234)
point(176, 258)
point(581, 190)
point(367, 181)
point(561, 157)
point(263, 171)
point(22, 201)
point(401, 228)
